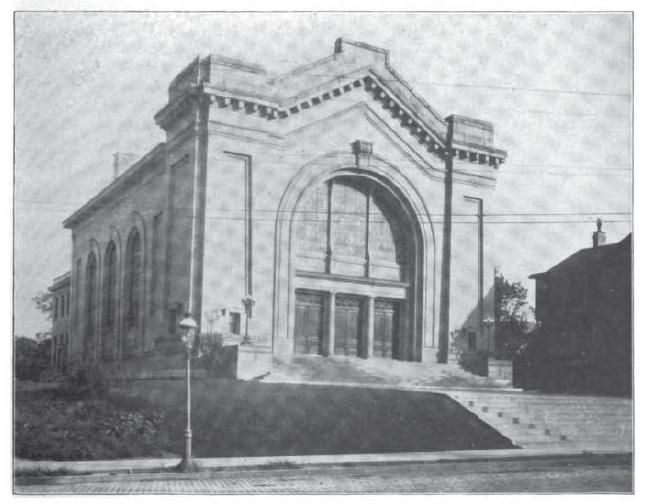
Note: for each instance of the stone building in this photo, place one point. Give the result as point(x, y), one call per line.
point(584, 306)
point(61, 299)
point(318, 193)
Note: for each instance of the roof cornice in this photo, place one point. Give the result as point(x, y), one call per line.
point(353, 65)
point(139, 169)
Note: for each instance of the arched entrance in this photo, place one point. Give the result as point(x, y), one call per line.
point(356, 252)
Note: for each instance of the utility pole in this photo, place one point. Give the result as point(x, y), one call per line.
point(445, 288)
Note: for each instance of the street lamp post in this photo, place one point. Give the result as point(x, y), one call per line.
point(189, 329)
point(247, 302)
point(488, 323)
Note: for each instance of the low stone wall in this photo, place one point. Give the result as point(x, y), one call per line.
point(242, 362)
point(501, 370)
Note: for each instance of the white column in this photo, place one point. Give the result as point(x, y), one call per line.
point(330, 324)
point(370, 328)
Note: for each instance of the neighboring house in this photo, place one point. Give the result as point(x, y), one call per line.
point(318, 192)
point(61, 298)
point(472, 336)
point(475, 340)
point(584, 305)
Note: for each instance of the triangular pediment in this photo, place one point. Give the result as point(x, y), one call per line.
point(353, 67)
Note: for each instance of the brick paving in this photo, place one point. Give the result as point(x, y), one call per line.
point(479, 477)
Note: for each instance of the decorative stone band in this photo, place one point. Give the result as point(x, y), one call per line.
point(434, 141)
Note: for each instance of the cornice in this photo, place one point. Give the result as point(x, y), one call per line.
point(378, 79)
point(432, 139)
point(138, 170)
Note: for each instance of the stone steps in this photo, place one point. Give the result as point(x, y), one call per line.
point(376, 370)
point(563, 421)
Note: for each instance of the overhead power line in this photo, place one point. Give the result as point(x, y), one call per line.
point(71, 206)
point(498, 87)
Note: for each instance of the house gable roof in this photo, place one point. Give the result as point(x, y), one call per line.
point(588, 258)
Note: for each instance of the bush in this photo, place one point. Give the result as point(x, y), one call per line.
point(87, 377)
point(209, 351)
point(54, 428)
point(474, 362)
point(31, 357)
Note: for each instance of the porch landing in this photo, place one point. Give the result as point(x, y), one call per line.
point(376, 371)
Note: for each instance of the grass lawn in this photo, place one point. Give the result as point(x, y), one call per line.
point(234, 418)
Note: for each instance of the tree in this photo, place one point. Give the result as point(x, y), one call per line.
point(511, 316)
point(31, 357)
point(43, 302)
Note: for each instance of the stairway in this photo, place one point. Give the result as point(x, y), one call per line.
point(554, 421)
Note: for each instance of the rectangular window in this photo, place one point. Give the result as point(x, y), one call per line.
point(55, 307)
point(234, 323)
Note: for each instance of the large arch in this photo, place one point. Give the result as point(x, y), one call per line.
point(392, 180)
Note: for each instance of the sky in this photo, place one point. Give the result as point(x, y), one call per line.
point(558, 88)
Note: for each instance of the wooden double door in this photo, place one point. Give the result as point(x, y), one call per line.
point(308, 329)
point(350, 325)
point(386, 328)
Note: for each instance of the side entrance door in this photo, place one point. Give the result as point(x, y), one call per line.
point(308, 328)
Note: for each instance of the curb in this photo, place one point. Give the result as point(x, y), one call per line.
point(158, 469)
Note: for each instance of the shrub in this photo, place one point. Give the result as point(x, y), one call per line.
point(209, 352)
point(31, 357)
point(87, 377)
point(72, 429)
point(474, 362)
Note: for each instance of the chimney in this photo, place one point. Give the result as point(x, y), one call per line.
point(122, 161)
point(598, 237)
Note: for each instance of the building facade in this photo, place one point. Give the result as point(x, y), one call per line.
point(61, 299)
point(317, 195)
point(584, 306)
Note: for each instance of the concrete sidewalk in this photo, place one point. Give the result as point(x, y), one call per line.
point(131, 466)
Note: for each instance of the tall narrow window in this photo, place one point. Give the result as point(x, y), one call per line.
point(134, 278)
point(156, 263)
point(110, 286)
point(77, 288)
point(90, 304)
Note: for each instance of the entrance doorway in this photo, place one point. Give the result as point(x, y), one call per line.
point(347, 326)
point(386, 341)
point(308, 328)
point(355, 253)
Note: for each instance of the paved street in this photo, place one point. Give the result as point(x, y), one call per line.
point(511, 476)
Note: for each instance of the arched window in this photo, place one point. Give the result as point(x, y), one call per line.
point(109, 300)
point(134, 278)
point(110, 286)
point(90, 303)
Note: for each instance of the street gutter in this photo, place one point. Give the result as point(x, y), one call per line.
point(53, 473)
